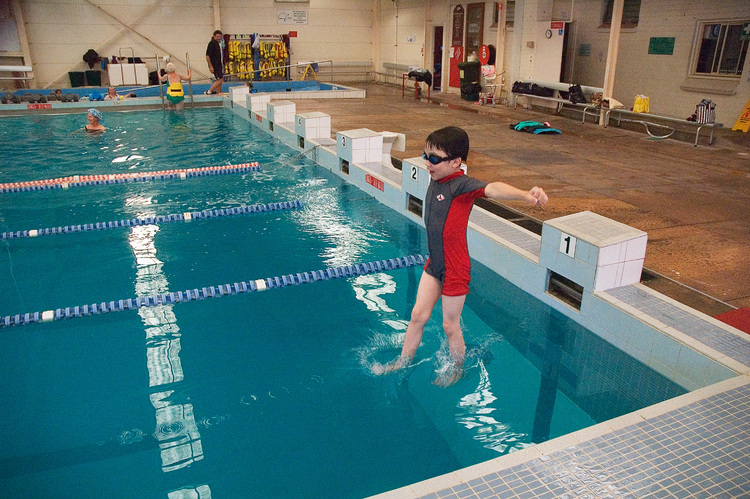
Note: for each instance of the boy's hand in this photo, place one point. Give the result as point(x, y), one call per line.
point(537, 196)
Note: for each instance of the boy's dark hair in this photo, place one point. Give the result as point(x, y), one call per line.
point(451, 140)
point(218, 32)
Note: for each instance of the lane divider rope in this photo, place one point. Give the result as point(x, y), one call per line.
point(175, 217)
point(344, 271)
point(119, 178)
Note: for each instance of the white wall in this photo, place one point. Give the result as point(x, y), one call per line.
point(658, 76)
point(61, 31)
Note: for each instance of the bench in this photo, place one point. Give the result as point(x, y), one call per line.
point(625, 115)
point(558, 87)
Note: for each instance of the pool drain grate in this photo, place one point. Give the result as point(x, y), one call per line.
point(213, 291)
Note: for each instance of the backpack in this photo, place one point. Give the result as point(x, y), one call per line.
point(576, 95)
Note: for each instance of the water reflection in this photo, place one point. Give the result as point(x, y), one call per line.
point(477, 417)
point(176, 430)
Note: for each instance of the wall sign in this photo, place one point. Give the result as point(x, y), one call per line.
point(458, 26)
point(661, 45)
point(291, 17)
point(375, 182)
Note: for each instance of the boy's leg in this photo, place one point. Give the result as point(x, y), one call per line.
point(452, 308)
point(428, 293)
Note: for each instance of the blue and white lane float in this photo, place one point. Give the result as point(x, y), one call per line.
point(344, 271)
point(178, 217)
point(121, 178)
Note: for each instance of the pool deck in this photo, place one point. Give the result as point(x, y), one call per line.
point(692, 202)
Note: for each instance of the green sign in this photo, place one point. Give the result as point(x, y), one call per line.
point(661, 45)
point(745, 34)
point(584, 49)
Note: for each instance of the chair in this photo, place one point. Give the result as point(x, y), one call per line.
point(491, 89)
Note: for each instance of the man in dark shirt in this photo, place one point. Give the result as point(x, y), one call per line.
point(215, 64)
point(448, 202)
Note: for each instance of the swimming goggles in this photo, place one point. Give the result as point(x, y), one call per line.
point(436, 160)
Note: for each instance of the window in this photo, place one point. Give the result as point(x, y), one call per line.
point(722, 47)
point(510, 13)
point(630, 13)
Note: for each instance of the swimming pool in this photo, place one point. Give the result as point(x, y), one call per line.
point(263, 394)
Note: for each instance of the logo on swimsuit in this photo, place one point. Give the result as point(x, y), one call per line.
point(440, 197)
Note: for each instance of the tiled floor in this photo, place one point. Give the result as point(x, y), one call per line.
point(701, 450)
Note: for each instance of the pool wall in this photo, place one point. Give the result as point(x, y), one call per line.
point(609, 309)
point(149, 97)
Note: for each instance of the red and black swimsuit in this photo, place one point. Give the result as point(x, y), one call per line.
point(447, 207)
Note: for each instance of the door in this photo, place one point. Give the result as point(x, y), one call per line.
point(437, 57)
point(548, 52)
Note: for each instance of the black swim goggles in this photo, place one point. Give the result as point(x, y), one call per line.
point(436, 160)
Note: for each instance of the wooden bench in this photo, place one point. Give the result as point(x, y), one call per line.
point(560, 102)
point(626, 115)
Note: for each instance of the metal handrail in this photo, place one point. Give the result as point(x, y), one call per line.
point(190, 81)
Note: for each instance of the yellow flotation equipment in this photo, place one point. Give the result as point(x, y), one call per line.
point(175, 93)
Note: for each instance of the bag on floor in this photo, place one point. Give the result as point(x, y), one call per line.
point(534, 127)
point(705, 112)
point(641, 104)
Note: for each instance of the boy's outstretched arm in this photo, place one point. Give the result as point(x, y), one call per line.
point(503, 191)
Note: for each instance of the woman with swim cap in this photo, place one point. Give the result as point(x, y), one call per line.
point(94, 117)
point(175, 93)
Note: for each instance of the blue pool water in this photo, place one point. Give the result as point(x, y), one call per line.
point(267, 394)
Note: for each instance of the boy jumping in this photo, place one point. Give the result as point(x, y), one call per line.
point(450, 197)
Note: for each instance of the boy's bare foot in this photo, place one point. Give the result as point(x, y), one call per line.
point(449, 377)
point(394, 365)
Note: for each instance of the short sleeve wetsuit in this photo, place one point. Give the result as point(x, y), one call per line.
point(447, 208)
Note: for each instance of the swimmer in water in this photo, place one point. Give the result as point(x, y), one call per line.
point(175, 92)
point(94, 117)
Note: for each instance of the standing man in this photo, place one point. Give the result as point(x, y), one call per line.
point(215, 63)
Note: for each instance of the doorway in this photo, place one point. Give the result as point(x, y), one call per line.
point(437, 57)
point(566, 68)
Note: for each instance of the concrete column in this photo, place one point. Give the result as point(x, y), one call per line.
point(612, 51)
